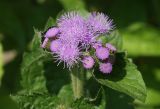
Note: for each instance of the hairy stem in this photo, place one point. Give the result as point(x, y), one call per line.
point(78, 80)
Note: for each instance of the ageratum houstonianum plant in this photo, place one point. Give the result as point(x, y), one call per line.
point(74, 37)
point(75, 41)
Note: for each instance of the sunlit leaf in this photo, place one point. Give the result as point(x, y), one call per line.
point(50, 23)
point(66, 94)
point(114, 38)
point(82, 104)
point(141, 40)
point(32, 71)
point(124, 78)
point(73, 4)
point(36, 100)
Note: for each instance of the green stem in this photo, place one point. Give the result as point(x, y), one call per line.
point(78, 80)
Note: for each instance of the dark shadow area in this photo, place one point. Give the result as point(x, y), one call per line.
point(94, 90)
point(17, 19)
point(118, 100)
point(143, 106)
point(122, 11)
point(6, 102)
point(56, 77)
point(11, 78)
point(118, 71)
point(147, 66)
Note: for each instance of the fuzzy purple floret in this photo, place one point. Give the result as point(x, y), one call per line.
point(97, 45)
point(55, 45)
point(98, 23)
point(69, 54)
point(73, 28)
point(105, 67)
point(110, 47)
point(52, 32)
point(102, 53)
point(88, 62)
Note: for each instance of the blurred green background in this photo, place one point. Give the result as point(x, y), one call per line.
point(138, 22)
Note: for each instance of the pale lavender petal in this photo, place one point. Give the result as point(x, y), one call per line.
point(102, 53)
point(88, 62)
point(55, 45)
point(105, 67)
point(111, 47)
point(52, 32)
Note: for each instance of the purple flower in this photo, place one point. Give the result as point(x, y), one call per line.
point(111, 47)
point(55, 45)
point(97, 45)
point(88, 62)
point(105, 67)
point(52, 32)
point(69, 54)
point(75, 35)
point(102, 53)
point(73, 28)
point(98, 23)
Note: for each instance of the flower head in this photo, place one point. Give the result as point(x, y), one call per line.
point(102, 53)
point(88, 62)
point(97, 45)
point(105, 67)
point(55, 45)
point(52, 32)
point(110, 47)
point(69, 54)
point(72, 27)
point(98, 23)
point(75, 36)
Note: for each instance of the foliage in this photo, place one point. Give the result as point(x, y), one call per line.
point(141, 36)
point(51, 83)
point(124, 78)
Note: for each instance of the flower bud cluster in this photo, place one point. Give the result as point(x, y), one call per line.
point(75, 36)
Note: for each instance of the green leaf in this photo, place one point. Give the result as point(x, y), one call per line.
point(36, 100)
point(40, 100)
point(6, 102)
point(151, 74)
point(114, 38)
point(66, 94)
point(124, 78)
point(50, 23)
point(141, 40)
point(32, 71)
point(121, 100)
point(39, 72)
point(56, 77)
point(1, 63)
point(73, 4)
point(82, 104)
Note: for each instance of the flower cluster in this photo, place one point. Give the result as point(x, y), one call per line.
point(75, 36)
